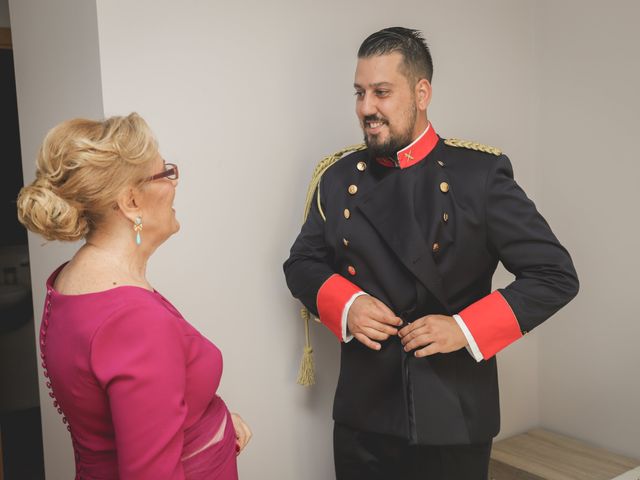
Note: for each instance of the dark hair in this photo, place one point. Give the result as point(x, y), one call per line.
point(410, 43)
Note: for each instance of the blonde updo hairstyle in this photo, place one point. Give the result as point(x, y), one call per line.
point(82, 167)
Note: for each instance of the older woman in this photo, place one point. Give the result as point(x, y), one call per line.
point(136, 383)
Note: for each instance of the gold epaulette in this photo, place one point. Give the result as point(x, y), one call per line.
point(322, 167)
point(479, 147)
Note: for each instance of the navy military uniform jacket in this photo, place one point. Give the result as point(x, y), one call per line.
point(424, 236)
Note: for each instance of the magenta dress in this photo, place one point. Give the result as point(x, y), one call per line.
point(137, 387)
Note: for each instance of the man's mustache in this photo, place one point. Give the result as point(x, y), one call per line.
point(374, 118)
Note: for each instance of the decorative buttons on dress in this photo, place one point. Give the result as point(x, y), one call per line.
point(435, 247)
point(345, 242)
point(43, 336)
point(444, 187)
point(441, 163)
point(347, 213)
point(445, 217)
point(353, 189)
point(361, 166)
point(351, 269)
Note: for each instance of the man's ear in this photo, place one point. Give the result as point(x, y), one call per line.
point(423, 94)
point(129, 202)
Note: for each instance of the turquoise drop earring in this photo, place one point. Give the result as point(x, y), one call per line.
point(137, 227)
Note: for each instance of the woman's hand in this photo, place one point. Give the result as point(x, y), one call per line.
point(243, 433)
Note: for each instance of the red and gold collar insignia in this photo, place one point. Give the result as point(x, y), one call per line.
point(416, 151)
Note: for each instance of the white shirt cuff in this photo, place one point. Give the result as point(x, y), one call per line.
point(472, 346)
point(347, 337)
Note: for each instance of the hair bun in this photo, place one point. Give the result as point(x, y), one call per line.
point(81, 169)
point(42, 211)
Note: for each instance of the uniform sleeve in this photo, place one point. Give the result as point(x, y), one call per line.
point(311, 278)
point(545, 281)
point(138, 358)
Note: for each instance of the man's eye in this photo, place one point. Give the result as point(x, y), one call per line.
point(382, 93)
point(359, 94)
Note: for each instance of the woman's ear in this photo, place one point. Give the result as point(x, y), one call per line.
point(129, 202)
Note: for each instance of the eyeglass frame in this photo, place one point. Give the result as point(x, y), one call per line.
point(168, 172)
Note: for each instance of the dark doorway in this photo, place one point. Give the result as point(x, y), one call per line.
point(20, 425)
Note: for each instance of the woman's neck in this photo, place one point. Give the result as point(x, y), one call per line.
point(120, 253)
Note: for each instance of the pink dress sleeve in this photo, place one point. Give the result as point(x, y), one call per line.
point(139, 359)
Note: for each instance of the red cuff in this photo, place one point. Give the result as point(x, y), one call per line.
point(333, 295)
point(492, 324)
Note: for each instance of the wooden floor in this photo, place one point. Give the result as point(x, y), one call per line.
point(543, 455)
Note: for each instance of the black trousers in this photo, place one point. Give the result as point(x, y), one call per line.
point(373, 456)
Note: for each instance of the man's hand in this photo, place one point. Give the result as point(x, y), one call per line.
point(436, 333)
point(370, 321)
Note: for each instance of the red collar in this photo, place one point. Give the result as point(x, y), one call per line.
point(414, 152)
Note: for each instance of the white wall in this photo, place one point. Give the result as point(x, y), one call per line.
point(247, 98)
point(55, 46)
point(589, 171)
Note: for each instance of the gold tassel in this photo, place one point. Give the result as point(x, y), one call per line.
point(306, 374)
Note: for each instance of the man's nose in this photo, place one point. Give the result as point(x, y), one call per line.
point(367, 105)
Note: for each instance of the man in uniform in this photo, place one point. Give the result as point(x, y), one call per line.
point(396, 259)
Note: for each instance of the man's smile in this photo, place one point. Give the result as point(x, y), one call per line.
point(374, 126)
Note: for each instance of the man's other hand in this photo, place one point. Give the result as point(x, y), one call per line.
point(370, 321)
point(435, 333)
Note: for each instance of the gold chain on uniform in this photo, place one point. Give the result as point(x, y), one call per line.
point(479, 147)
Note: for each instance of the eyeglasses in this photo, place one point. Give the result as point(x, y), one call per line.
point(170, 172)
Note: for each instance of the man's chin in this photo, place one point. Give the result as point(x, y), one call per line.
point(378, 149)
point(374, 140)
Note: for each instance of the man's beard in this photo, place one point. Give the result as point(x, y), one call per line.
point(394, 142)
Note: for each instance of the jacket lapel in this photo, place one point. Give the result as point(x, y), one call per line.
point(389, 207)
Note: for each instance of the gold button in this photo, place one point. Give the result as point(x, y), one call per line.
point(361, 166)
point(445, 217)
point(345, 242)
point(444, 187)
point(353, 189)
point(441, 163)
point(351, 270)
point(347, 213)
point(436, 247)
